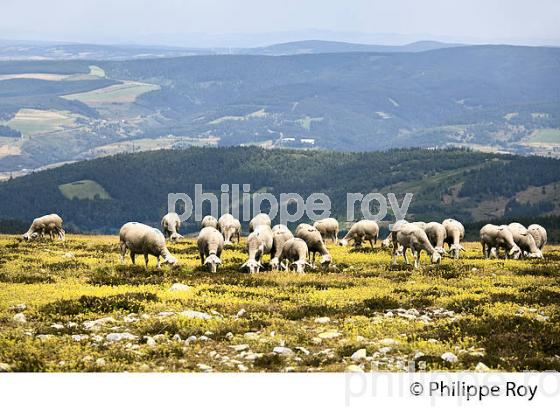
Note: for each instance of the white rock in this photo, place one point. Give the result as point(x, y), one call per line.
point(165, 314)
point(79, 338)
point(44, 337)
point(57, 326)
point(388, 341)
point(354, 369)
point(229, 335)
point(360, 338)
point(20, 307)
point(5, 367)
point(241, 313)
point(329, 335)
point(117, 337)
point(253, 356)
point(179, 287)
point(204, 367)
point(389, 314)
point(481, 367)
point(160, 338)
point(242, 367)
point(316, 340)
point(150, 341)
point(193, 314)
point(449, 357)
point(385, 350)
point(203, 338)
point(240, 348)
point(100, 362)
point(96, 324)
point(323, 319)
point(283, 351)
point(68, 255)
point(176, 337)
point(208, 333)
point(302, 350)
point(190, 339)
point(358, 355)
point(19, 318)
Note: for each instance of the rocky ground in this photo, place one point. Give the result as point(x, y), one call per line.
point(73, 307)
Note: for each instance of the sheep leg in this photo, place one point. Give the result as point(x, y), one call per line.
point(404, 255)
point(201, 258)
point(123, 252)
point(146, 260)
point(416, 259)
point(158, 265)
point(371, 243)
point(133, 257)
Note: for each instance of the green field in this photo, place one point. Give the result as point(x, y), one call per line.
point(85, 189)
point(86, 312)
point(127, 92)
point(31, 121)
point(546, 135)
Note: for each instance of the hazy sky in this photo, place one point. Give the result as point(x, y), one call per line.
point(237, 22)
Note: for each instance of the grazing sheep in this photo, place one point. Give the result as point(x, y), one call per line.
point(47, 224)
point(259, 243)
point(361, 231)
point(436, 233)
point(145, 240)
point(171, 223)
point(210, 244)
point(391, 238)
point(280, 235)
point(525, 240)
point(539, 235)
point(493, 237)
point(295, 253)
point(412, 237)
point(455, 233)
point(209, 221)
point(328, 228)
point(259, 219)
point(230, 227)
point(315, 244)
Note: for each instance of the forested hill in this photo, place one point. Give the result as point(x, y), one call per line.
point(102, 194)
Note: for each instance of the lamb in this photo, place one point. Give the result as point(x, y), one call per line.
point(210, 244)
point(259, 219)
point(493, 237)
point(436, 233)
point(295, 251)
point(315, 244)
point(455, 233)
point(143, 239)
point(362, 231)
point(259, 243)
point(170, 224)
point(415, 238)
point(525, 240)
point(230, 227)
point(539, 235)
point(280, 235)
point(328, 228)
point(209, 221)
point(48, 224)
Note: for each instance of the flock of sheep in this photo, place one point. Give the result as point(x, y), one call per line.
point(297, 251)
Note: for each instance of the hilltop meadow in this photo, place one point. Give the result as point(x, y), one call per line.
point(73, 307)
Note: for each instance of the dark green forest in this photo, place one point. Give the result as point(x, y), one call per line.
point(138, 184)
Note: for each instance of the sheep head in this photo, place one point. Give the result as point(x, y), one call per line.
point(253, 266)
point(212, 261)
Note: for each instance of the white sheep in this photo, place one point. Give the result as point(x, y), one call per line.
point(525, 240)
point(328, 228)
point(170, 224)
point(294, 255)
point(436, 233)
point(493, 237)
point(280, 235)
point(209, 221)
point(412, 237)
point(539, 235)
point(230, 227)
point(259, 243)
point(315, 244)
point(210, 243)
point(455, 234)
point(48, 224)
point(362, 231)
point(144, 240)
point(259, 219)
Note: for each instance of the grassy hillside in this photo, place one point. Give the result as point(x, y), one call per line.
point(445, 183)
point(493, 98)
point(79, 301)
